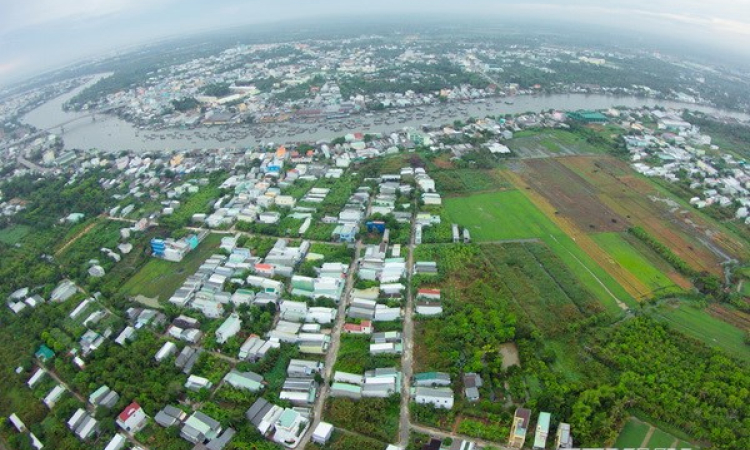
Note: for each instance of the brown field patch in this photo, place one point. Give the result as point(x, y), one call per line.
point(734, 317)
point(690, 236)
point(572, 196)
point(627, 280)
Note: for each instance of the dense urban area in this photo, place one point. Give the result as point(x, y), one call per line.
point(400, 261)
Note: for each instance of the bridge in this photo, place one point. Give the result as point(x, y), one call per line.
point(60, 125)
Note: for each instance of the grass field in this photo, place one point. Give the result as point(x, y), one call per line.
point(13, 234)
point(632, 434)
point(627, 256)
point(536, 143)
point(462, 181)
point(704, 327)
point(510, 215)
point(635, 432)
point(159, 278)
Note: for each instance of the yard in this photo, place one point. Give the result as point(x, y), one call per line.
point(160, 278)
point(510, 215)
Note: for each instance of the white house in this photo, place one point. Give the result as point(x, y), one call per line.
point(132, 419)
point(437, 397)
point(229, 328)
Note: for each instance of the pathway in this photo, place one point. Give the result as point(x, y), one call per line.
point(407, 357)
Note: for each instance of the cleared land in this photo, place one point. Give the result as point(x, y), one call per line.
point(463, 181)
point(693, 238)
point(634, 261)
point(160, 278)
point(547, 142)
point(571, 195)
point(704, 327)
point(511, 215)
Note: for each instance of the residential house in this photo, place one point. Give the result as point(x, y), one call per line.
point(290, 427)
point(472, 383)
point(563, 438)
point(229, 328)
point(249, 381)
point(432, 379)
point(542, 430)
point(132, 419)
point(170, 416)
point(199, 428)
point(519, 427)
point(441, 397)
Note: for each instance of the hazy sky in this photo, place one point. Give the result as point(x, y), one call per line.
point(38, 35)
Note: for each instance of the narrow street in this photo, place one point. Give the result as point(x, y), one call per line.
point(408, 342)
point(333, 350)
point(434, 432)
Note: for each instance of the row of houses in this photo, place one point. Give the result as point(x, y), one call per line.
point(521, 426)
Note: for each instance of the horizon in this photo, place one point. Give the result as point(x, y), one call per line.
point(107, 29)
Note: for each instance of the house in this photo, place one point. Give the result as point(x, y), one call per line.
point(229, 328)
point(346, 390)
point(322, 433)
point(222, 440)
point(432, 379)
point(199, 427)
point(300, 391)
point(563, 438)
point(472, 383)
point(249, 381)
point(36, 377)
point(82, 424)
point(290, 427)
point(542, 430)
point(117, 443)
point(169, 416)
point(17, 423)
point(196, 383)
point(303, 368)
point(132, 419)
point(263, 415)
point(44, 353)
point(54, 395)
point(441, 397)
point(364, 327)
point(519, 427)
point(166, 350)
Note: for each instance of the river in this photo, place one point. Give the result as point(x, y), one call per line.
point(109, 133)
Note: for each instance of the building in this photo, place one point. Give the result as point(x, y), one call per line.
point(322, 433)
point(117, 443)
point(441, 397)
point(54, 395)
point(432, 379)
point(249, 381)
point(132, 419)
point(290, 427)
point(563, 438)
point(199, 427)
point(229, 328)
point(472, 383)
point(587, 116)
point(169, 416)
point(519, 427)
point(542, 430)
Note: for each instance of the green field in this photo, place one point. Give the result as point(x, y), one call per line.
point(13, 234)
point(704, 327)
point(160, 278)
point(635, 431)
point(509, 215)
point(458, 181)
point(632, 434)
point(553, 142)
point(634, 262)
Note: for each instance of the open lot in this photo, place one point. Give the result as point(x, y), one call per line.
point(160, 278)
point(510, 215)
point(692, 237)
point(463, 181)
point(705, 327)
point(635, 261)
point(548, 142)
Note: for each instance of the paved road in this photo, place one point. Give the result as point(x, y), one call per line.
point(333, 350)
point(407, 358)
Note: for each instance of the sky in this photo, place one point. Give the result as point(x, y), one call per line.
point(40, 35)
